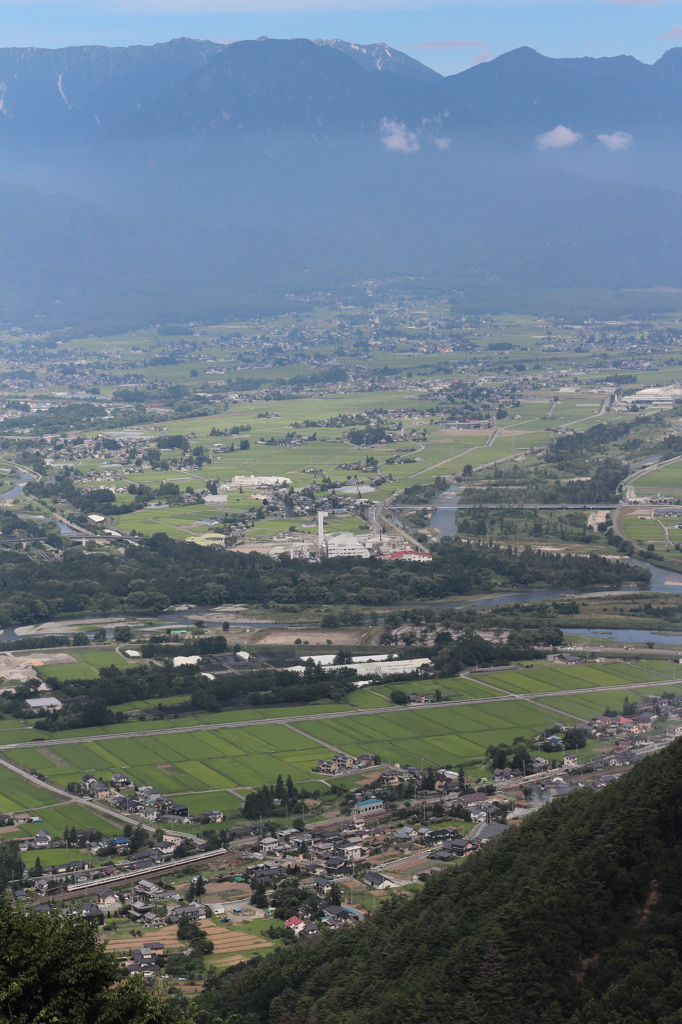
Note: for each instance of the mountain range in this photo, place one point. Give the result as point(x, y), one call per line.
point(201, 177)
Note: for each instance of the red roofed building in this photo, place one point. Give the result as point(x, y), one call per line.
point(296, 924)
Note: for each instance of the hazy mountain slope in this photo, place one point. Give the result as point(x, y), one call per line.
point(80, 91)
point(64, 261)
point(606, 94)
point(284, 85)
point(380, 57)
point(571, 917)
point(219, 175)
point(555, 230)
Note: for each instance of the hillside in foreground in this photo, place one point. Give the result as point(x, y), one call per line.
point(572, 917)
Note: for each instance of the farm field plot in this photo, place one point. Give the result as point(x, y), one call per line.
point(187, 762)
point(665, 480)
point(366, 698)
point(438, 736)
point(66, 672)
point(586, 705)
point(546, 678)
point(18, 794)
point(631, 673)
point(451, 689)
point(102, 658)
point(516, 682)
point(646, 531)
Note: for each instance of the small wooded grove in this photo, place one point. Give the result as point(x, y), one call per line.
point(573, 917)
point(55, 970)
point(157, 572)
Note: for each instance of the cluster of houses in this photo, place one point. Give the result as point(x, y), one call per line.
point(81, 871)
point(340, 763)
point(333, 916)
point(327, 852)
point(144, 801)
point(143, 961)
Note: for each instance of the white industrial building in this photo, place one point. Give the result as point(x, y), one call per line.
point(383, 668)
point(663, 396)
point(259, 481)
point(345, 545)
point(357, 659)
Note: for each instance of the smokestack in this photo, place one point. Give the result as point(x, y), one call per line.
point(320, 532)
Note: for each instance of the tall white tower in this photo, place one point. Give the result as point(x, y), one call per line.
point(320, 533)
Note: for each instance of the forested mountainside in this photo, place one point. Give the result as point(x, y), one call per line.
point(573, 916)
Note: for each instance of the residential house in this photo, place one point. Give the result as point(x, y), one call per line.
point(340, 915)
point(482, 833)
point(193, 911)
point(673, 730)
point(212, 817)
point(336, 866)
point(92, 913)
point(106, 897)
point(344, 761)
point(70, 866)
point(378, 881)
point(295, 923)
point(455, 848)
point(352, 851)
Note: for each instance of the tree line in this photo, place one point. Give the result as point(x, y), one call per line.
point(157, 572)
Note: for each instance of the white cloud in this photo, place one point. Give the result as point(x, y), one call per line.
point(481, 58)
point(441, 143)
point(396, 137)
point(674, 33)
point(615, 142)
point(558, 138)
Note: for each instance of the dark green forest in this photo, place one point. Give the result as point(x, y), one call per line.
point(55, 969)
point(158, 572)
point(573, 917)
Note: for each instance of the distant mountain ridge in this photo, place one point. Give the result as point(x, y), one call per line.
point(199, 175)
point(81, 93)
point(380, 57)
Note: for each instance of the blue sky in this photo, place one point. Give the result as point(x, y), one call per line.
point(456, 34)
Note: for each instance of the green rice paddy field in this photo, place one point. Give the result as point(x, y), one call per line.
point(213, 768)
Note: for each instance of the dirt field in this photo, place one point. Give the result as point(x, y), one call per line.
point(313, 634)
point(228, 890)
point(232, 943)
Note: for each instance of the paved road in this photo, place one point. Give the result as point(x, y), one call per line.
point(105, 809)
point(487, 504)
point(356, 713)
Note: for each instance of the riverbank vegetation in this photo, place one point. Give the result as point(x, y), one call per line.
point(159, 572)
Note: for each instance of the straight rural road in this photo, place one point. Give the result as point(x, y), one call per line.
point(356, 713)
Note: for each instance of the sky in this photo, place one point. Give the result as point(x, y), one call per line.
point(447, 36)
